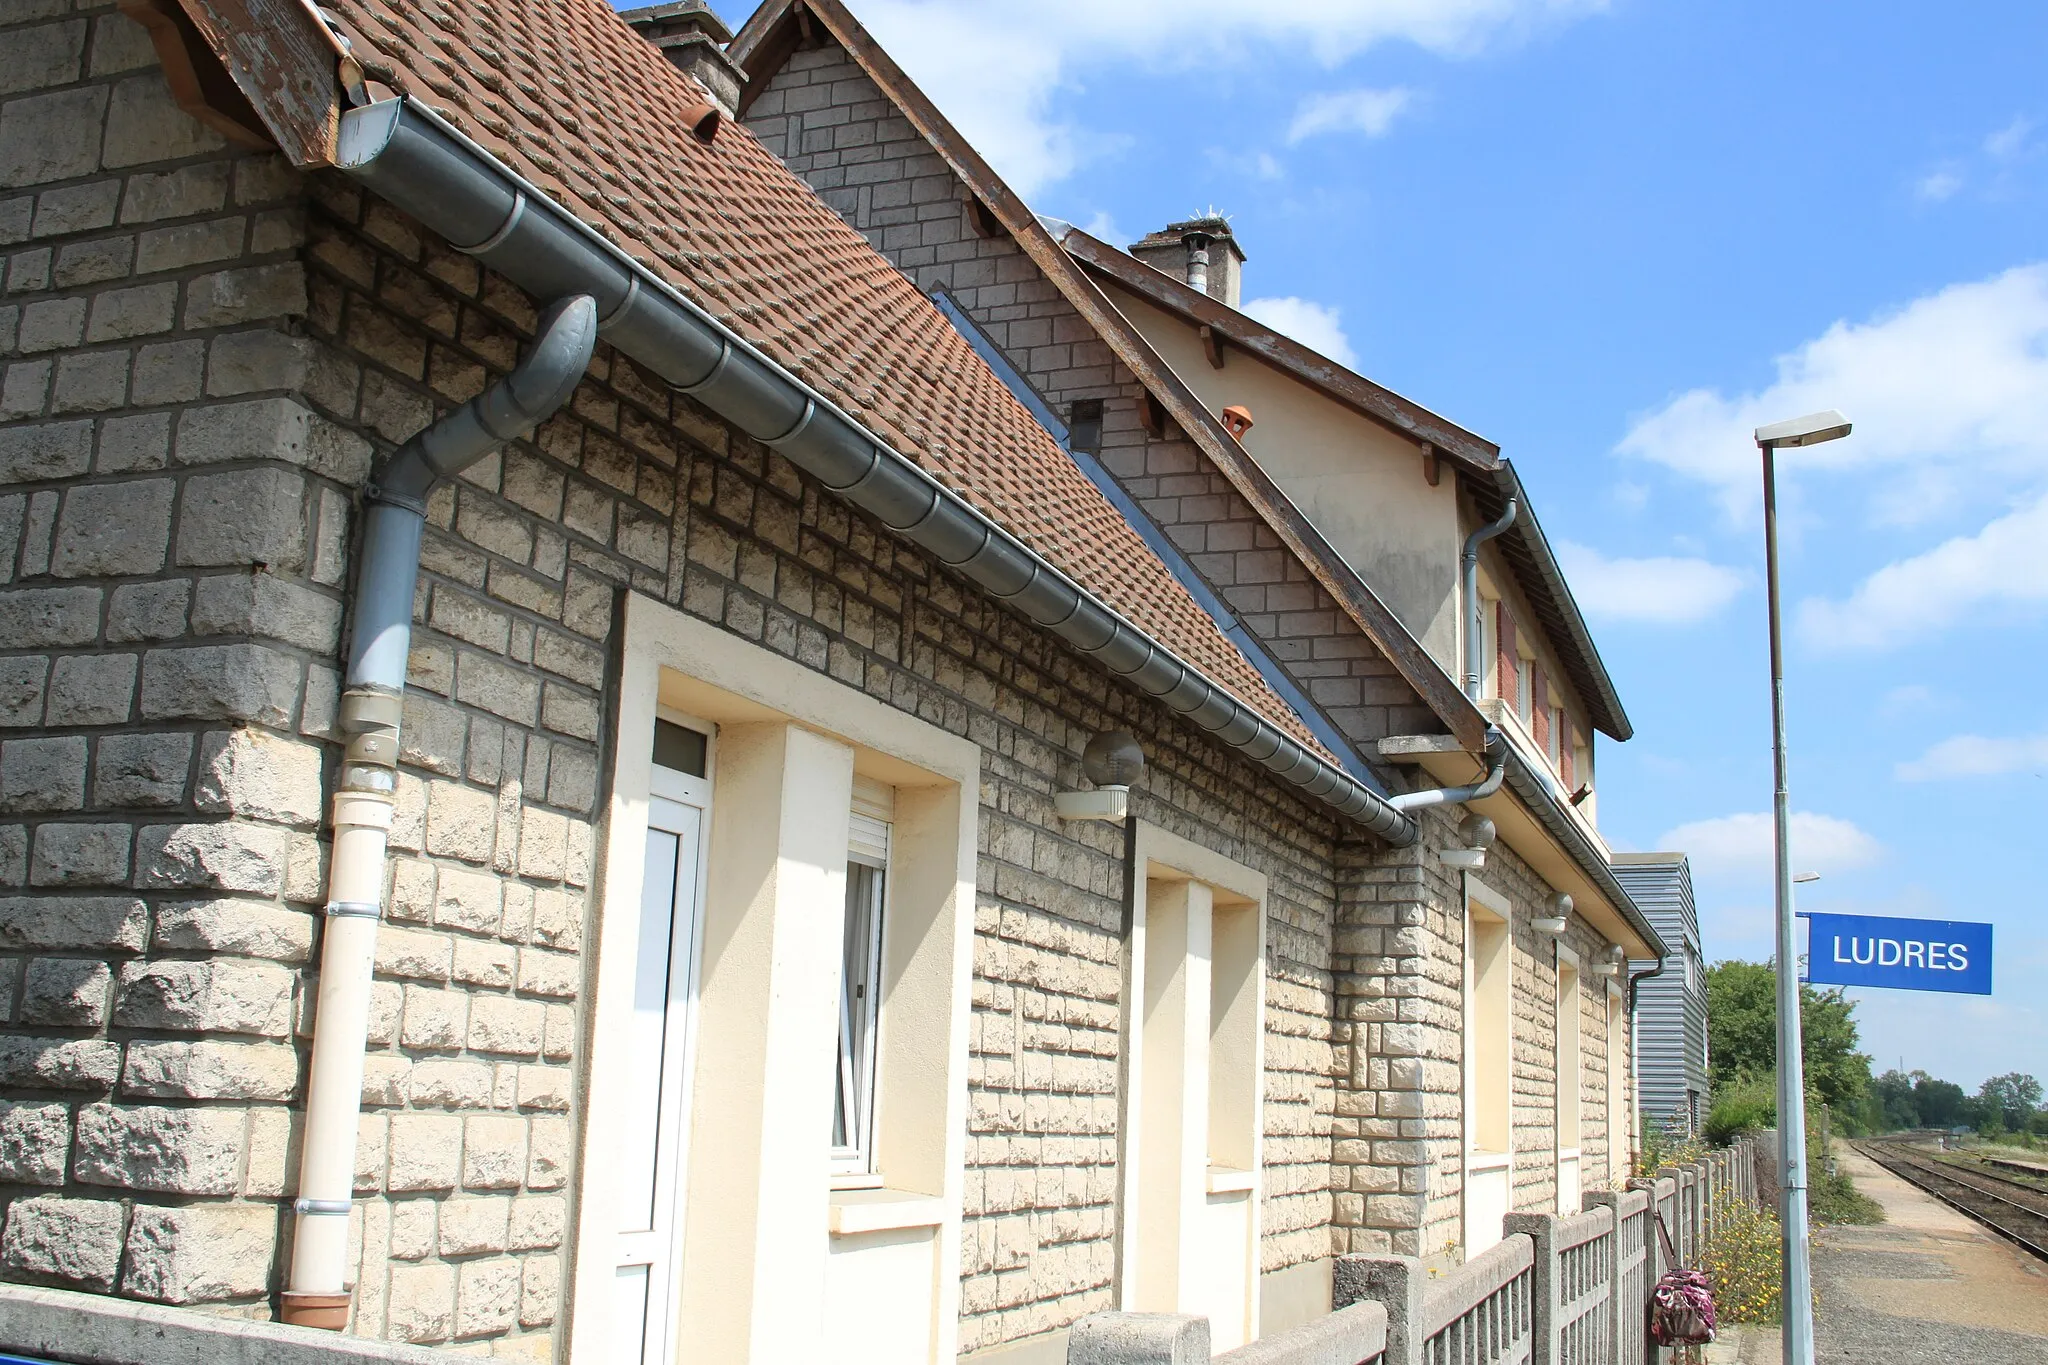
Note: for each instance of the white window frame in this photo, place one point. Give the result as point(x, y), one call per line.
point(858, 1090)
point(796, 1225)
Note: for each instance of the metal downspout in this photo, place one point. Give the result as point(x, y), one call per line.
point(371, 704)
point(417, 161)
point(1468, 573)
point(1496, 771)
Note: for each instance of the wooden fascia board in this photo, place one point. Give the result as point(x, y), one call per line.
point(1381, 405)
point(763, 44)
point(1337, 577)
point(282, 60)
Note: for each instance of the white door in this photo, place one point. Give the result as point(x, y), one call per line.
point(653, 1124)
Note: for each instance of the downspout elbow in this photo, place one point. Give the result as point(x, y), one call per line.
point(1468, 573)
point(372, 703)
point(506, 411)
point(1496, 771)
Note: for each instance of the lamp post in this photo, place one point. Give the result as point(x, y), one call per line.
point(1797, 1333)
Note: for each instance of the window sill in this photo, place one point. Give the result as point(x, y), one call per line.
point(856, 1180)
point(1568, 1153)
point(1228, 1180)
point(1476, 1162)
point(880, 1210)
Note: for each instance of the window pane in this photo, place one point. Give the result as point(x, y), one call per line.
point(859, 1002)
point(640, 1124)
point(679, 749)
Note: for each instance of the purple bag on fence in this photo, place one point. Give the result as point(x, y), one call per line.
point(1682, 1304)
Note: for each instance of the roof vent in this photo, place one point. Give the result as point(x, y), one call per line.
point(694, 38)
point(1201, 251)
point(1237, 420)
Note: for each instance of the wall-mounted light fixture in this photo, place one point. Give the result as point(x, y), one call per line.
point(1610, 963)
point(1560, 907)
point(1112, 761)
point(1475, 836)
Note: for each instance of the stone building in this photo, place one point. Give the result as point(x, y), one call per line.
point(1321, 517)
point(750, 724)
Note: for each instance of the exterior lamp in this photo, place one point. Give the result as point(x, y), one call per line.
point(1560, 907)
point(1797, 1331)
point(1112, 761)
point(1476, 835)
point(1610, 965)
point(1806, 876)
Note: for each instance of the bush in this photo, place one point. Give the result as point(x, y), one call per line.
point(1742, 1261)
point(1740, 1106)
point(1666, 1145)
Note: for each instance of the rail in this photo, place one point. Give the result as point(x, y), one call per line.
point(2016, 1212)
point(1556, 1290)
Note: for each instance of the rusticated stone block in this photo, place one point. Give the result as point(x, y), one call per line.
point(487, 1297)
point(35, 1141)
point(51, 137)
point(92, 689)
point(426, 1152)
point(81, 855)
point(31, 1063)
point(247, 516)
point(42, 774)
point(210, 1070)
point(199, 1253)
point(65, 992)
point(216, 995)
point(220, 682)
point(420, 1305)
point(228, 855)
point(171, 1151)
point(117, 923)
point(75, 1241)
point(260, 776)
point(243, 928)
point(493, 1152)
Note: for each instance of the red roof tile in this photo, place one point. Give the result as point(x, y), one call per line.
point(577, 102)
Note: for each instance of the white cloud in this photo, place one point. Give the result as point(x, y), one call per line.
point(1734, 848)
point(1936, 186)
point(2010, 141)
point(1976, 756)
point(1946, 393)
point(2006, 563)
point(998, 67)
point(1314, 325)
point(1370, 112)
point(1103, 228)
point(1662, 591)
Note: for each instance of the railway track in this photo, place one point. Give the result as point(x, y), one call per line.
point(2016, 1212)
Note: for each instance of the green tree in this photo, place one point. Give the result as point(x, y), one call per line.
point(1893, 1094)
point(1742, 1033)
point(2012, 1098)
point(1940, 1104)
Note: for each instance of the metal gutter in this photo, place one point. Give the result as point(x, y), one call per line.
point(416, 160)
point(1527, 784)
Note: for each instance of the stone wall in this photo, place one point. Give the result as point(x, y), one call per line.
point(170, 550)
point(1395, 1178)
point(832, 125)
point(205, 353)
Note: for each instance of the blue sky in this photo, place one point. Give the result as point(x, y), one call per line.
point(1614, 237)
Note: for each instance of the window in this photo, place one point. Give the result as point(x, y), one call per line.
point(1525, 689)
point(860, 980)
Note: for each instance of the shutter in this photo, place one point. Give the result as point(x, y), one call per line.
point(867, 832)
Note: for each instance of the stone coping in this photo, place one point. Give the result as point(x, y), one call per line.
point(91, 1329)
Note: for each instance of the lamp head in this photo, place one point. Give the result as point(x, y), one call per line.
point(1476, 831)
point(1809, 430)
point(1113, 759)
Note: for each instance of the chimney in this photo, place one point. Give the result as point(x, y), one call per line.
point(694, 38)
point(1202, 252)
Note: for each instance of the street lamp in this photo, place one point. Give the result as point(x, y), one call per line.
point(1797, 1332)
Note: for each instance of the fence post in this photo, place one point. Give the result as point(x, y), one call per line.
point(1139, 1339)
point(1542, 1230)
point(1394, 1282)
point(1621, 1314)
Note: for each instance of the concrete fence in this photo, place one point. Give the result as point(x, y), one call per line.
point(1570, 1290)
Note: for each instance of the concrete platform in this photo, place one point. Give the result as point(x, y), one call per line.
point(1926, 1287)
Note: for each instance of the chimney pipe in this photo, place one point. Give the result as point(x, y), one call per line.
point(1199, 251)
point(1197, 244)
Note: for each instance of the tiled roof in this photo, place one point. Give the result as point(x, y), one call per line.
point(570, 97)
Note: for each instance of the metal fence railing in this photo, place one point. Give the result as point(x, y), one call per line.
point(1571, 1290)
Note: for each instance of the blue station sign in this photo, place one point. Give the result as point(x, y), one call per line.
point(1899, 954)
